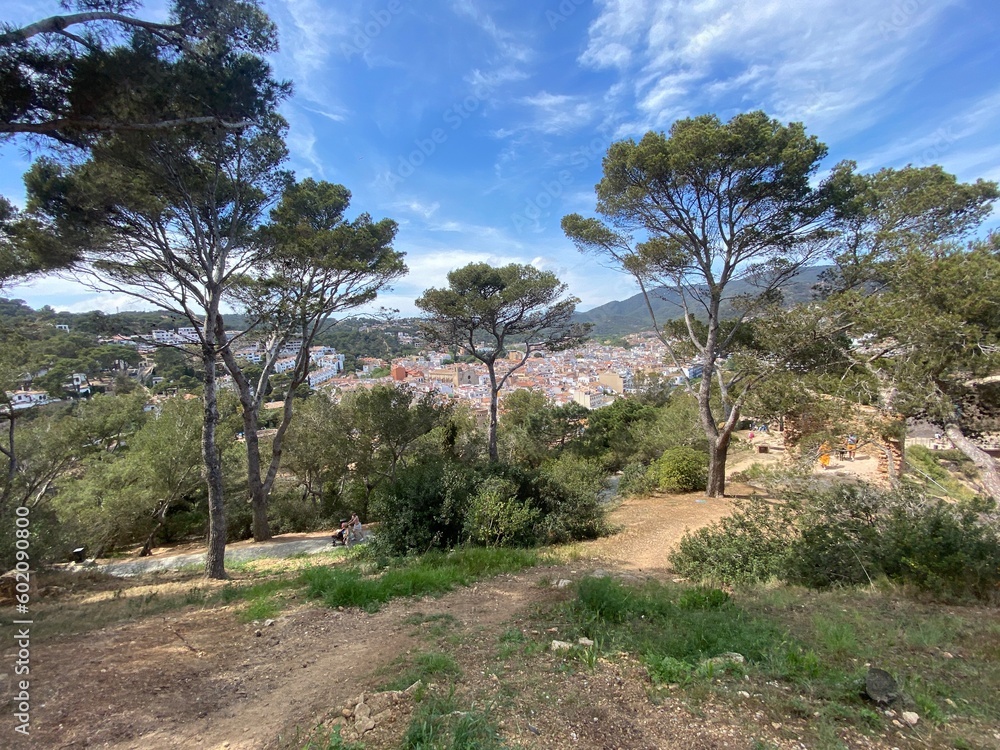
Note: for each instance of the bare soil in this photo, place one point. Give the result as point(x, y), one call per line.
point(199, 677)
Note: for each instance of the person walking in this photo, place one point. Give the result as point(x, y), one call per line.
point(824, 455)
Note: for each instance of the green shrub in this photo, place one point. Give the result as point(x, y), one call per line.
point(567, 494)
point(290, 512)
point(749, 545)
point(838, 538)
point(847, 535)
point(680, 469)
point(424, 508)
point(636, 479)
point(496, 518)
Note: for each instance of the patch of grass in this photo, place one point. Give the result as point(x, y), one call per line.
point(934, 477)
point(837, 637)
point(807, 653)
point(439, 724)
point(427, 666)
point(262, 602)
point(435, 573)
point(672, 630)
point(332, 741)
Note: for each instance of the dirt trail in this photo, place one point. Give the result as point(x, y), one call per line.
point(199, 678)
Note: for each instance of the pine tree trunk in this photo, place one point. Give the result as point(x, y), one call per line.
point(258, 491)
point(215, 559)
point(989, 472)
point(717, 456)
point(494, 452)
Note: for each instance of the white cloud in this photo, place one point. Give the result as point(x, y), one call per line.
point(559, 113)
point(825, 62)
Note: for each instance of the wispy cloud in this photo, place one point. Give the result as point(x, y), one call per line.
point(825, 62)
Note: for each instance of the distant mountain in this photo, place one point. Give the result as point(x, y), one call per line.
point(631, 315)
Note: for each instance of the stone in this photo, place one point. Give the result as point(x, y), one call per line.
point(880, 687)
point(586, 642)
point(562, 583)
point(346, 713)
point(413, 688)
point(258, 633)
point(560, 646)
point(362, 711)
point(743, 694)
point(268, 623)
point(364, 725)
point(730, 657)
point(910, 718)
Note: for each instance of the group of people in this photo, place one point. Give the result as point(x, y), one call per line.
point(350, 530)
point(848, 451)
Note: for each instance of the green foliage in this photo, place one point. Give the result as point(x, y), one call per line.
point(848, 535)
point(433, 573)
point(440, 725)
point(635, 480)
point(680, 469)
point(671, 630)
point(496, 518)
point(568, 497)
point(487, 309)
point(426, 666)
point(614, 432)
point(438, 503)
point(751, 544)
point(333, 741)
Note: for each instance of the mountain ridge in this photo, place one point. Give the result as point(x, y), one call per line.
point(631, 315)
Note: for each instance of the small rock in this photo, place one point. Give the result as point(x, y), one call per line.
point(586, 642)
point(268, 623)
point(890, 713)
point(776, 725)
point(600, 573)
point(258, 633)
point(346, 713)
point(362, 711)
point(413, 688)
point(552, 630)
point(560, 646)
point(533, 729)
point(562, 583)
point(743, 694)
point(910, 718)
point(950, 702)
point(364, 725)
point(947, 655)
point(897, 723)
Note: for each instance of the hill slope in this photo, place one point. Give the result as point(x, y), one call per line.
point(631, 316)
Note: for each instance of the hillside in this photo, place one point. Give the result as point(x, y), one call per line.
point(631, 316)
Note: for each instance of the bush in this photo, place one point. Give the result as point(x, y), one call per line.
point(290, 512)
point(496, 518)
point(749, 545)
point(441, 503)
point(680, 469)
point(848, 535)
point(568, 498)
point(424, 508)
point(635, 480)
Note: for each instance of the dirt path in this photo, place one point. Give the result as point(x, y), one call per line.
point(199, 678)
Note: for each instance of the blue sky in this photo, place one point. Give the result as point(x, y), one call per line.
point(477, 124)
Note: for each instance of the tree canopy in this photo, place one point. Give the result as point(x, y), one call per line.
point(486, 309)
point(708, 205)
